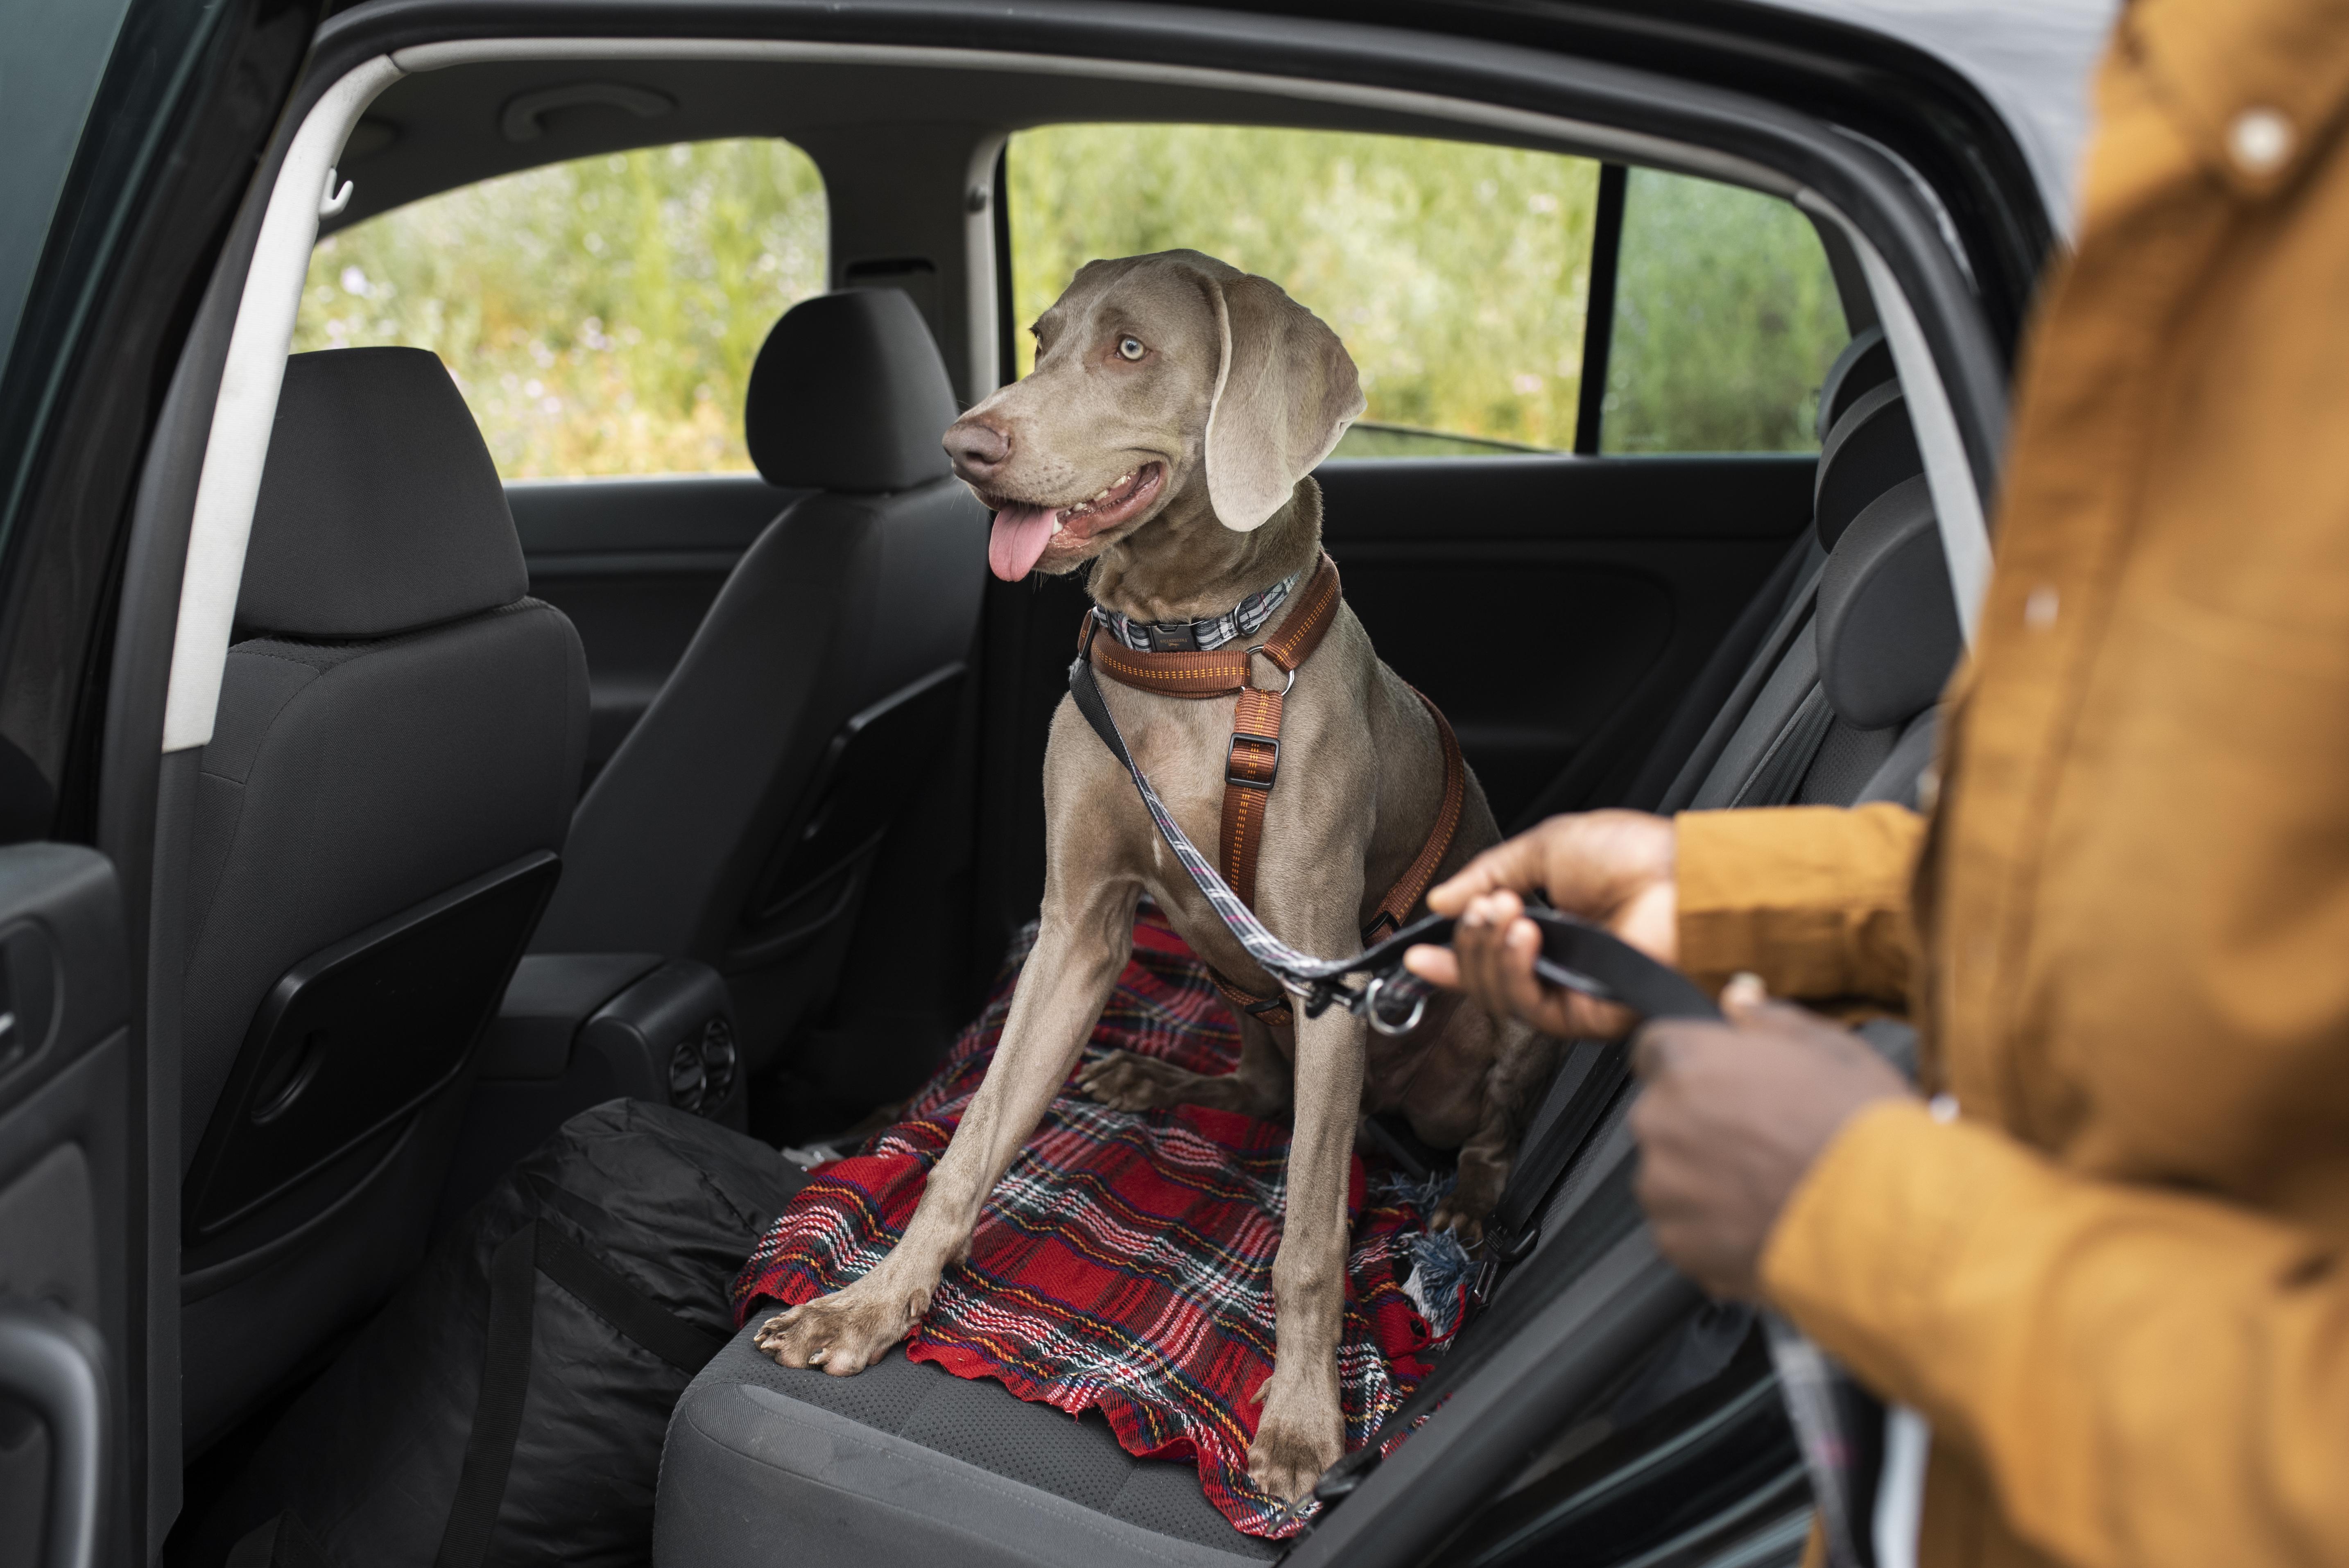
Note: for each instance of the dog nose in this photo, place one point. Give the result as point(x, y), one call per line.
point(978, 448)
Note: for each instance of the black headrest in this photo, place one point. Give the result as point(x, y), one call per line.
point(1865, 364)
point(1870, 450)
point(849, 394)
point(380, 508)
point(1888, 624)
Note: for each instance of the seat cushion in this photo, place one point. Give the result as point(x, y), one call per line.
point(907, 1464)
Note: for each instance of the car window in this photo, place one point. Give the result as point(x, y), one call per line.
point(1456, 273)
point(1726, 319)
point(1461, 275)
point(600, 316)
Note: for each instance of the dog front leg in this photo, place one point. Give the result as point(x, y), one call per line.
point(1060, 996)
point(1302, 1432)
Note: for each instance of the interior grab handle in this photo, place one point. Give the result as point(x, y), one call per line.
point(54, 1362)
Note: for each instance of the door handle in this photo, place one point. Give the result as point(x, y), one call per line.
point(55, 1362)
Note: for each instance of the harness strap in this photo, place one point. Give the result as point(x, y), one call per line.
point(1252, 758)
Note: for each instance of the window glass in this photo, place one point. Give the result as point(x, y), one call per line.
point(1726, 319)
point(1456, 273)
point(600, 316)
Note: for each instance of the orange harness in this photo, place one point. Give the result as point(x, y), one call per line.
point(1252, 759)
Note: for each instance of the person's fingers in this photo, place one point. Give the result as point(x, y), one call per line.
point(1744, 997)
point(1438, 965)
point(1520, 944)
point(1515, 863)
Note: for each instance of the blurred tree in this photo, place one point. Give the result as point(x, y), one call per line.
point(1726, 319)
point(601, 315)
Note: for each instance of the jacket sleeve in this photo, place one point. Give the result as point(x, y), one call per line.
point(1814, 899)
point(2147, 1376)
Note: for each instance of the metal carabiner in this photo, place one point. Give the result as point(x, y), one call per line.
point(1378, 1021)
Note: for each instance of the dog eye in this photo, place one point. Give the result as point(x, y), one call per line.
point(1130, 347)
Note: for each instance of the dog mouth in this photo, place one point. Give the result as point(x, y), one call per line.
point(1026, 532)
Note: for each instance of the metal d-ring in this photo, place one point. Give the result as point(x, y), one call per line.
point(1276, 664)
point(1370, 1008)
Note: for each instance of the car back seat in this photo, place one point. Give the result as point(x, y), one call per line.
point(907, 1463)
point(1725, 688)
point(1777, 740)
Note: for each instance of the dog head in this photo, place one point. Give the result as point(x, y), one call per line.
point(1158, 378)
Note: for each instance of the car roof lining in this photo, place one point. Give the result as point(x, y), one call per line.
point(447, 123)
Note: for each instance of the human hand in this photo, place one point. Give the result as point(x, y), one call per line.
point(1732, 1116)
point(1613, 868)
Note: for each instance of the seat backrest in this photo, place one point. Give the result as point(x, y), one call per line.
point(739, 821)
point(392, 771)
point(1775, 718)
point(1864, 365)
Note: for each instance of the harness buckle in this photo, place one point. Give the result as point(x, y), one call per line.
point(1231, 761)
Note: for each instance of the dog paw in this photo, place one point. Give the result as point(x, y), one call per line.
point(1124, 1081)
point(1468, 1206)
point(846, 1331)
point(1302, 1435)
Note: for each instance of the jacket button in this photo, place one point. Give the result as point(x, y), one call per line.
point(2259, 141)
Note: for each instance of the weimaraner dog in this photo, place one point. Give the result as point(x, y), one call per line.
point(1166, 436)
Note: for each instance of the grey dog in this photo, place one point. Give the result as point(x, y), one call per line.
point(1167, 436)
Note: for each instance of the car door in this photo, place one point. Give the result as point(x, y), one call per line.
point(131, 125)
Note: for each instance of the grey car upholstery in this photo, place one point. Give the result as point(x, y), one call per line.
point(905, 1463)
point(397, 720)
point(865, 590)
point(1887, 626)
point(1787, 736)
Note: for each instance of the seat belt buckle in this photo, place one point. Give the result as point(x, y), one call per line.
point(1481, 1282)
point(1231, 761)
point(1507, 1245)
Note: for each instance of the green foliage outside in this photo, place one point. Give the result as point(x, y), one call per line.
point(1726, 319)
point(600, 316)
point(1456, 273)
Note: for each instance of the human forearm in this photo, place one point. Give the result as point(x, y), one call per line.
point(2147, 1378)
point(1815, 900)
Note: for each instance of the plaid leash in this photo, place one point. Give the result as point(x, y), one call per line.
point(1391, 998)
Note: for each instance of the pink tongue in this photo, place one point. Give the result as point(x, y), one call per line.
point(1019, 539)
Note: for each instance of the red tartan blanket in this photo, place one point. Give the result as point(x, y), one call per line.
point(1125, 1263)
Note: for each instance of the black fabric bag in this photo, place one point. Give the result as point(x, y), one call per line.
point(508, 1404)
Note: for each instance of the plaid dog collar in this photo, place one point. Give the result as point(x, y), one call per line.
point(1245, 619)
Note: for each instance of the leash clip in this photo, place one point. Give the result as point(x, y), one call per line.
point(1378, 1020)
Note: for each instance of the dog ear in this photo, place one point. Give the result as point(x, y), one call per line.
point(1285, 392)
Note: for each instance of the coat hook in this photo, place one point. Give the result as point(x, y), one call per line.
point(331, 201)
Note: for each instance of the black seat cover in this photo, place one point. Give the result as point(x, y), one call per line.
point(740, 822)
point(392, 771)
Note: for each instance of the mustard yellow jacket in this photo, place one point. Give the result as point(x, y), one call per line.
point(2116, 1284)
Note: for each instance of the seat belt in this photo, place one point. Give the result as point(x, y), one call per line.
point(1778, 776)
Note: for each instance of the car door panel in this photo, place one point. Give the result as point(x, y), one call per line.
point(636, 563)
point(65, 1203)
point(1549, 605)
